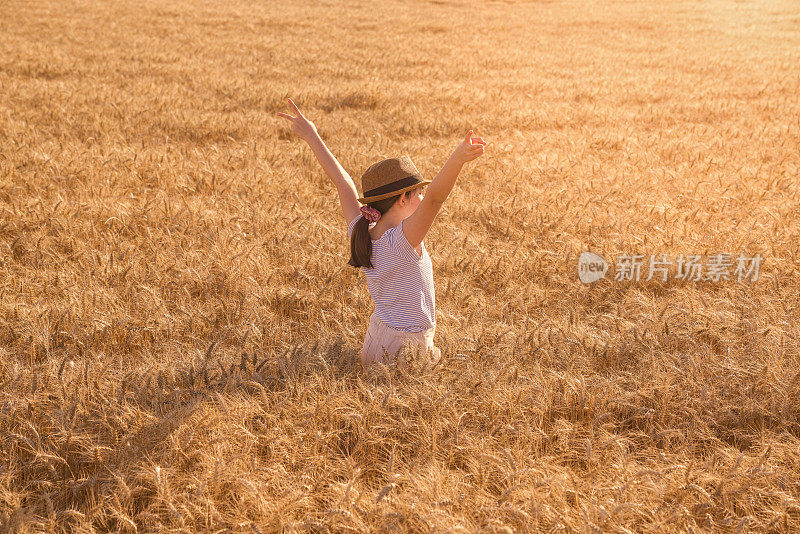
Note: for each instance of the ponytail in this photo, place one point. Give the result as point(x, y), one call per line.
point(361, 242)
point(361, 245)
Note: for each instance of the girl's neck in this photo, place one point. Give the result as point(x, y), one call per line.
point(383, 224)
point(390, 220)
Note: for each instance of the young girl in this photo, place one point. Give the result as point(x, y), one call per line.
point(386, 239)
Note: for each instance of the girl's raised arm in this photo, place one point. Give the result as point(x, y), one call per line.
point(348, 194)
point(416, 225)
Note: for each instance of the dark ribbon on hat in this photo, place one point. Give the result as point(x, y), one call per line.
point(394, 186)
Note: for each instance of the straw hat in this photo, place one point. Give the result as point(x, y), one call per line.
point(390, 177)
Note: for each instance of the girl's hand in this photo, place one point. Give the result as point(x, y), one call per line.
point(301, 126)
point(469, 149)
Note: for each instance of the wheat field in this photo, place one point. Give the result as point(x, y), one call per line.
point(180, 333)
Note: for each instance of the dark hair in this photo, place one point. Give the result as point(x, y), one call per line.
point(360, 241)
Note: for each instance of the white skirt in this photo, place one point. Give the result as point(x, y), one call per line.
point(383, 343)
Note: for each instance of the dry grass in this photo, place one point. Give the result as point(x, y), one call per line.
point(179, 328)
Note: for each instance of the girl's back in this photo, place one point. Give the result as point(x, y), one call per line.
point(400, 281)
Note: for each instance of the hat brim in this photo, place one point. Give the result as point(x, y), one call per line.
point(367, 200)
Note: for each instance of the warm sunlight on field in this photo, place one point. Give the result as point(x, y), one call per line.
point(179, 329)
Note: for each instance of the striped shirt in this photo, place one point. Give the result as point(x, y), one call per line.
point(400, 281)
